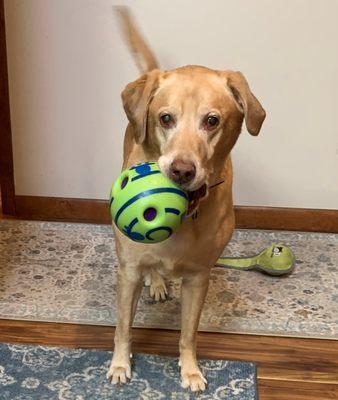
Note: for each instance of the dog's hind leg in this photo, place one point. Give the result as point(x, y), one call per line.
point(157, 286)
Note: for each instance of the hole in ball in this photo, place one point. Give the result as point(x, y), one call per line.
point(150, 214)
point(124, 182)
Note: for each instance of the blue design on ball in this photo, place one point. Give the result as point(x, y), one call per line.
point(144, 170)
point(172, 210)
point(136, 236)
point(160, 228)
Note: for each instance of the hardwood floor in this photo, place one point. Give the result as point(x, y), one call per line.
point(288, 368)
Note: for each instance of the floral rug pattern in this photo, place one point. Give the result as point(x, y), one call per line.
point(51, 373)
point(67, 273)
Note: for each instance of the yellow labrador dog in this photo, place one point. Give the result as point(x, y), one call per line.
point(188, 119)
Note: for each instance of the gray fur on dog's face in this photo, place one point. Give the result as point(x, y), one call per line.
point(192, 115)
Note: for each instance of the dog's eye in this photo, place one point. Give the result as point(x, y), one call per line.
point(167, 121)
point(211, 122)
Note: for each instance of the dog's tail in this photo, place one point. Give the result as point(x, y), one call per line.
point(143, 55)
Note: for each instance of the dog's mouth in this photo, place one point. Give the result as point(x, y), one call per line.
point(195, 197)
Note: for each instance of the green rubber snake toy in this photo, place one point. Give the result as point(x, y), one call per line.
point(275, 260)
point(148, 207)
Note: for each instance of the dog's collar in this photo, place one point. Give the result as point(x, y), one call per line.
point(216, 184)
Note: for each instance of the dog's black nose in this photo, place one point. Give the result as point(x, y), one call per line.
point(182, 172)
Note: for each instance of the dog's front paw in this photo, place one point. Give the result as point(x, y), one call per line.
point(193, 380)
point(119, 372)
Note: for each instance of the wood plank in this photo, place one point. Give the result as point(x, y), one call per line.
point(284, 358)
point(283, 218)
point(97, 211)
point(285, 390)
point(277, 358)
point(62, 209)
point(6, 152)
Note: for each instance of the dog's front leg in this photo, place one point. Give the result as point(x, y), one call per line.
point(129, 287)
point(194, 290)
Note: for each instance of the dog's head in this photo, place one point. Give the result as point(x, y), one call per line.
point(189, 119)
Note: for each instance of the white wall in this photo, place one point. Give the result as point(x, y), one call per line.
point(67, 66)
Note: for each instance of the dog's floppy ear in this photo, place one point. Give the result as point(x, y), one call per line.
point(136, 98)
point(254, 113)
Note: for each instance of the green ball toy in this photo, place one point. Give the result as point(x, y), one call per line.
point(146, 205)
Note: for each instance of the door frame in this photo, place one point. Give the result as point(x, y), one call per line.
point(7, 185)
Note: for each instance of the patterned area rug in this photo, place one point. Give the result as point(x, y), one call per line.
point(67, 273)
point(50, 373)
